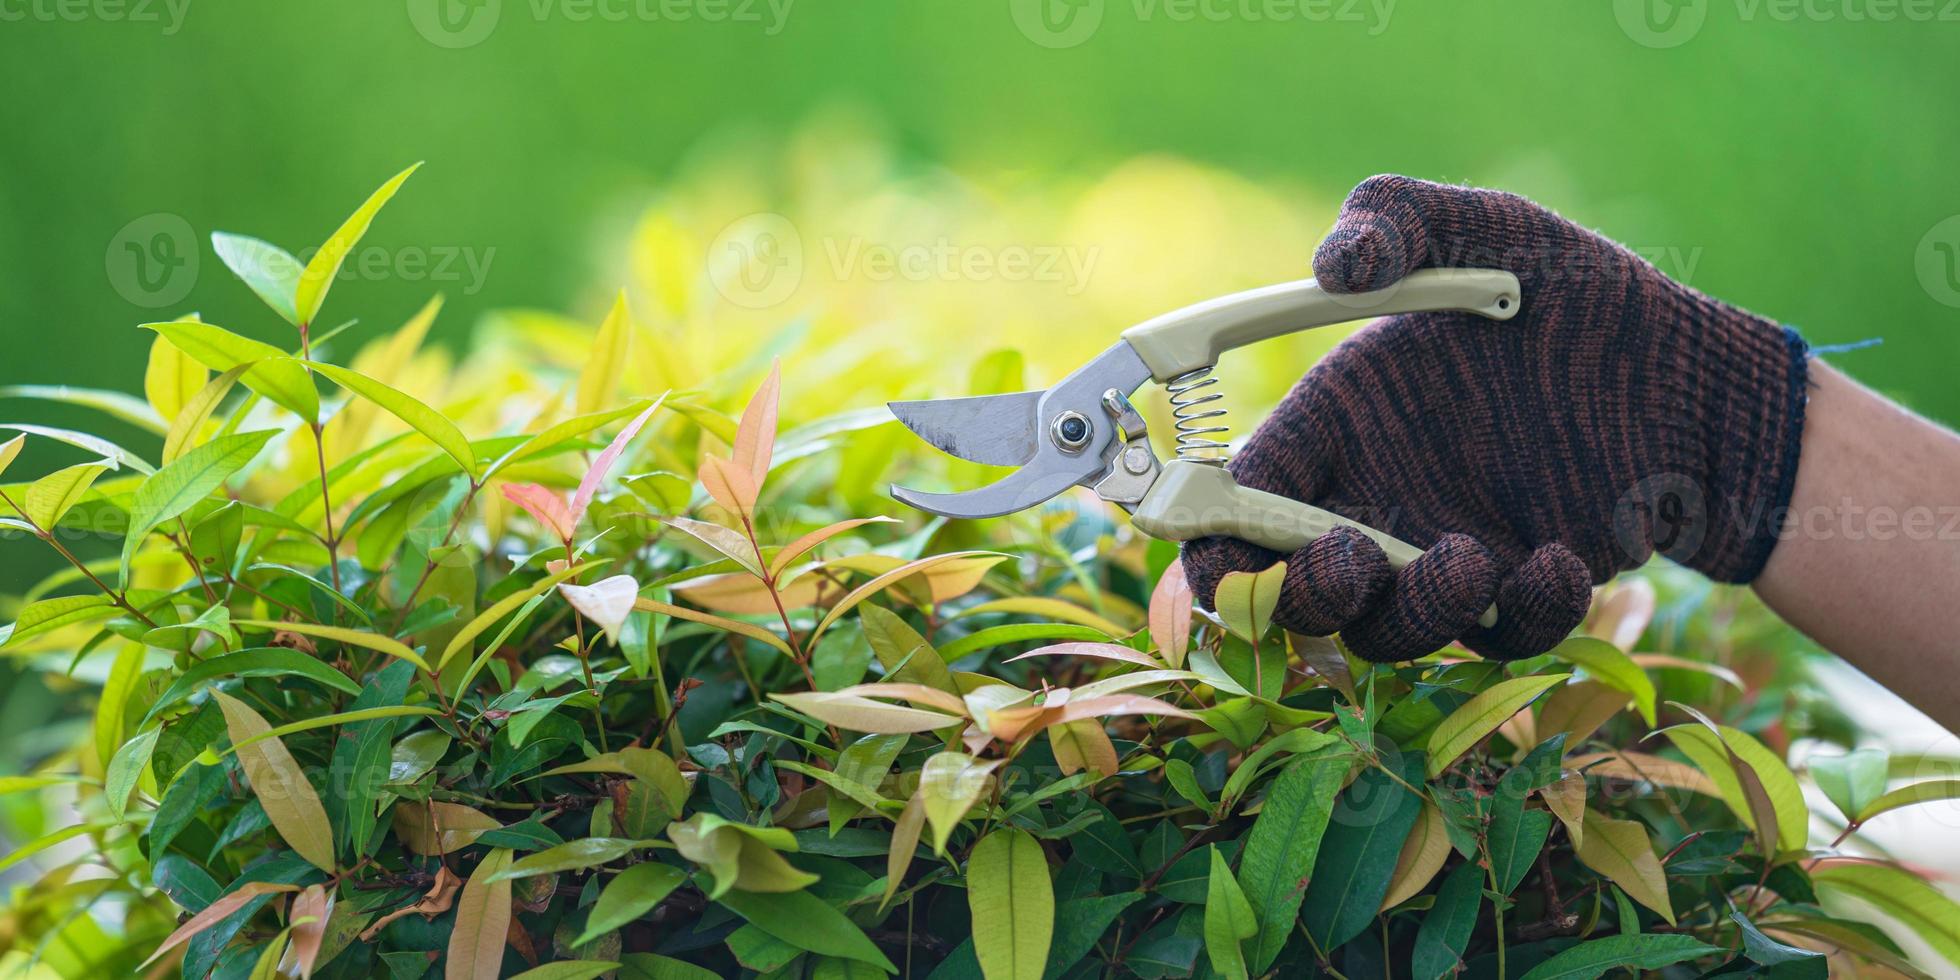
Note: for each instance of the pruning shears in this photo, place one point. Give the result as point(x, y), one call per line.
point(1084, 431)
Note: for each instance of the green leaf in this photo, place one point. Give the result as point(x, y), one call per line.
point(1595, 957)
point(476, 941)
point(268, 370)
point(906, 656)
point(1282, 845)
point(279, 783)
point(1445, 930)
point(1622, 851)
point(1900, 894)
point(572, 855)
point(650, 966)
point(188, 425)
point(1516, 835)
point(1228, 919)
point(349, 637)
point(630, 895)
point(1851, 782)
point(1359, 851)
point(317, 277)
point(1925, 792)
point(738, 856)
point(1013, 905)
point(82, 440)
point(995, 636)
point(1611, 666)
point(1246, 600)
point(417, 415)
point(1479, 716)
point(48, 615)
point(9, 450)
point(177, 487)
point(498, 610)
point(569, 970)
point(805, 921)
point(1787, 962)
point(270, 270)
point(258, 662)
point(950, 783)
point(1785, 795)
point(125, 768)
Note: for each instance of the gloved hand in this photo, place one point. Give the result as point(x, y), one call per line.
point(1532, 458)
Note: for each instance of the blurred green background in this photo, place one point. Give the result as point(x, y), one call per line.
point(1799, 166)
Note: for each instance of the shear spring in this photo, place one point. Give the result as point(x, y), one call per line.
point(1195, 428)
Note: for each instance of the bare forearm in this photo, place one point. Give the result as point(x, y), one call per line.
point(1869, 566)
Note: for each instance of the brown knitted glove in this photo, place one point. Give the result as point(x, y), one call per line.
point(1618, 412)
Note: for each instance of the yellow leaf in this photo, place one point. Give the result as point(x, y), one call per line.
point(1422, 856)
point(317, 278)
point(351, 637)
point(1245, 600)
point(1639, 767)
point(171, 378)
point(1480, 716)
point(599, 378)
point(436, 828)
point(1055, 609)
point(383, 359)
point(742, 594)
point(755, 437)
point(881, 582)
point(279, 783)
point(1620, 850)
point(489, 617)
point(749, 630)
point(1578, 709)
point(216, 911)
point(801, 546)
point(50, 498)
point(1566, 798)
point(1083, 745)
point(861, 714)
point(949, 784)
point(9, 450)
point(1739, 766)
point(476, 941)
point(905, 841)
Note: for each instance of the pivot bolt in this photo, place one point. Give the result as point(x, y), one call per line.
point(1071, 432)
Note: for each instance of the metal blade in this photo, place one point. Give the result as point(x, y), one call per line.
point(999, 430)
point(1017, 491)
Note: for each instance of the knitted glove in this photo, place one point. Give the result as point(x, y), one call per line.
point(1618, 412)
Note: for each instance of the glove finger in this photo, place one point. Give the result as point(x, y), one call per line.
point(1208, 560)
point(1330, 582)
point(1434, 599)
point(1392, 225)
point(1539, 604)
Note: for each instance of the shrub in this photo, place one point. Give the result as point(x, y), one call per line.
point(376, 695)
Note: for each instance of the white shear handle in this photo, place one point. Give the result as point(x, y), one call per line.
point(1196, 500)
point(1191, 338)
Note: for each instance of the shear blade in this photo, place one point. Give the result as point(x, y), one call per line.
point(999, 430)
point(1016, 491)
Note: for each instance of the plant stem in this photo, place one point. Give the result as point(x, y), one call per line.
point(48, 536)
